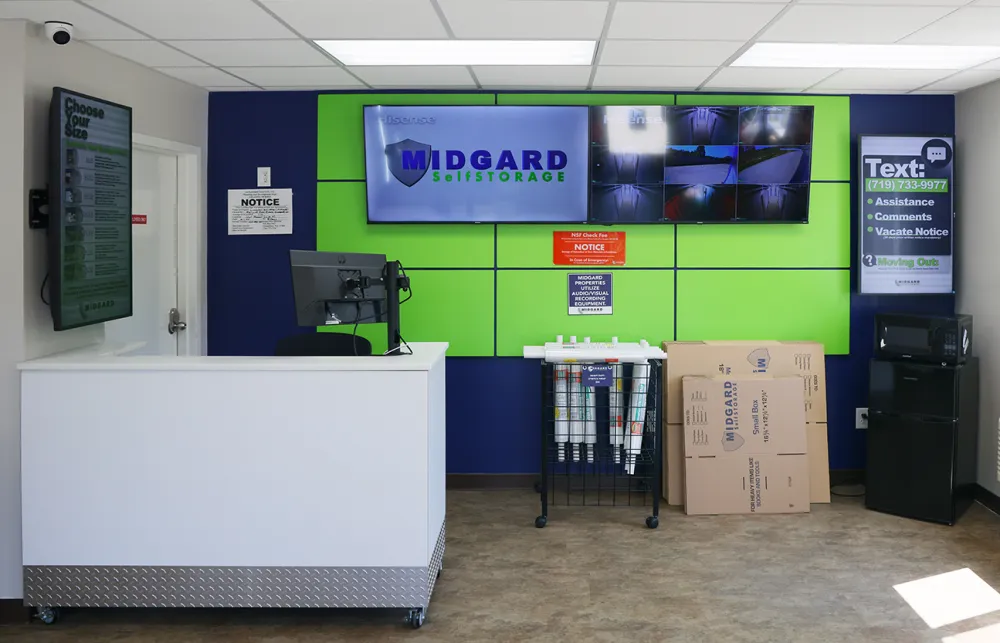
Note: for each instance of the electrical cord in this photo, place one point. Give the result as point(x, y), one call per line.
point(41, 292)
point(409, 351)
point(357, 320)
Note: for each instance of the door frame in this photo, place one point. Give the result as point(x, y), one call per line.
point(192, 261)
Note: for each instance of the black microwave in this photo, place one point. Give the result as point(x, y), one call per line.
point(932, 339)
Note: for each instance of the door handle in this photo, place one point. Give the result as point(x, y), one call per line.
point(174, 323)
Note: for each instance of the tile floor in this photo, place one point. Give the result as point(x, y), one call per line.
point(598, 574)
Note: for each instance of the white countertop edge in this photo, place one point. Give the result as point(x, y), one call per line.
point(425, 355)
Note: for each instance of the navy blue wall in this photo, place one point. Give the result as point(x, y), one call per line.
point(491, 429)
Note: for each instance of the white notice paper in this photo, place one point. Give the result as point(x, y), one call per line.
point(260, 211)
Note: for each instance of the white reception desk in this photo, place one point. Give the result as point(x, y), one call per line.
point(233, 481)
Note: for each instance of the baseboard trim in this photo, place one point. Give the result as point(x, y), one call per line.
point(528, 480)
point(13, 610)
point(491, 480)
point(988, 499)
point(846, 476)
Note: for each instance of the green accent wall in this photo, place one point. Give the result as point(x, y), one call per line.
point(491, 289)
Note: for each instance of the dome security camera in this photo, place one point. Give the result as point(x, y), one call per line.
point(59, 32)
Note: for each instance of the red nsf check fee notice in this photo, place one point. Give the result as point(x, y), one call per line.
point(588, 248)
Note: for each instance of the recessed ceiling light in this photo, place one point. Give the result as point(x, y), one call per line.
point(460, 52)
point(835, 56)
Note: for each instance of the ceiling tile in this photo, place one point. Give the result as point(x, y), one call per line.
point(964, 80)
point(330, 19)
point(416, 76)
point(548, 19)
point(969, 26)
point(689, 20)
point(905, 3)
point(570, 76)
point(726, 1)
point(296, 76)
point(88, 24)
point(195, 19)
point(670, 53)
point(147, 52)
point(766, 78)
point(850, 24)
point(881, 79)
point(993, 64)
point(254, 53)
point(651, 77)
point(234, 89)
point(202, 76)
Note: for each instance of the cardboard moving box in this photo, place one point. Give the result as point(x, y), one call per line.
point(750, 484)
point(733, 416)
point(746, 358)
point(777, 359)
point(744, 445)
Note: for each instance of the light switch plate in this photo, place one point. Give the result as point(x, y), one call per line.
point(861, 418)
point(263, 177)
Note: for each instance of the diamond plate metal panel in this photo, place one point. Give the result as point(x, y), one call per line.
point(437, 563)
point(106, 586)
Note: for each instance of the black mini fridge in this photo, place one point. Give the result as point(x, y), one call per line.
point(923, 421)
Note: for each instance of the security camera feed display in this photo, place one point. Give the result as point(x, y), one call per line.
point(711, 164)
point(627, 155)
point(700, 165)
point(703, 125)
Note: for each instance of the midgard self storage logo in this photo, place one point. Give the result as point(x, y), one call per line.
point(409, 161)
point(731, 439)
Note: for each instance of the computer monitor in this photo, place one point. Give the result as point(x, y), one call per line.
point(340, 288)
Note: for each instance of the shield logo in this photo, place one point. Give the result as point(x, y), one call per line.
point(408, 160)
point(732, 441)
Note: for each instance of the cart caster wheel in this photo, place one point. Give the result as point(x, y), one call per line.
point(47, 615)
point(540, 521)
point(415, 618)
point(652, 522)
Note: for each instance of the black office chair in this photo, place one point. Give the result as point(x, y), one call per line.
point(322, 345)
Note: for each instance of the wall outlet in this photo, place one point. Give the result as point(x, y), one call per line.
point(861, 418)
point(263, 177)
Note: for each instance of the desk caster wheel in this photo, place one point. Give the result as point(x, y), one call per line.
point(47, 615)
point(415, 618)
point(540, 521)
point(652, 522)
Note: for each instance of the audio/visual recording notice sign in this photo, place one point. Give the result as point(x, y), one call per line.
point(907, 214)
point(590, 294)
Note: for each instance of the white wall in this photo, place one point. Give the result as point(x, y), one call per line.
point(161, 107)
point(13, 223)
point(977, 237)
point(29, 68)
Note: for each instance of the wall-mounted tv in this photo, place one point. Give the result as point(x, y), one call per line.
point(574, 164)
point(90, 210)
point(476, 164)
point(679, 164)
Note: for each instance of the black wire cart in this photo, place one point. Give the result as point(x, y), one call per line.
point(602, 436)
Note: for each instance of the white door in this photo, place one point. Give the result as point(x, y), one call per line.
point(154, 257)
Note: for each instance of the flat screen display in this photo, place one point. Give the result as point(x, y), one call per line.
point(90, 210)
point(680, 164)
point(480, 164)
